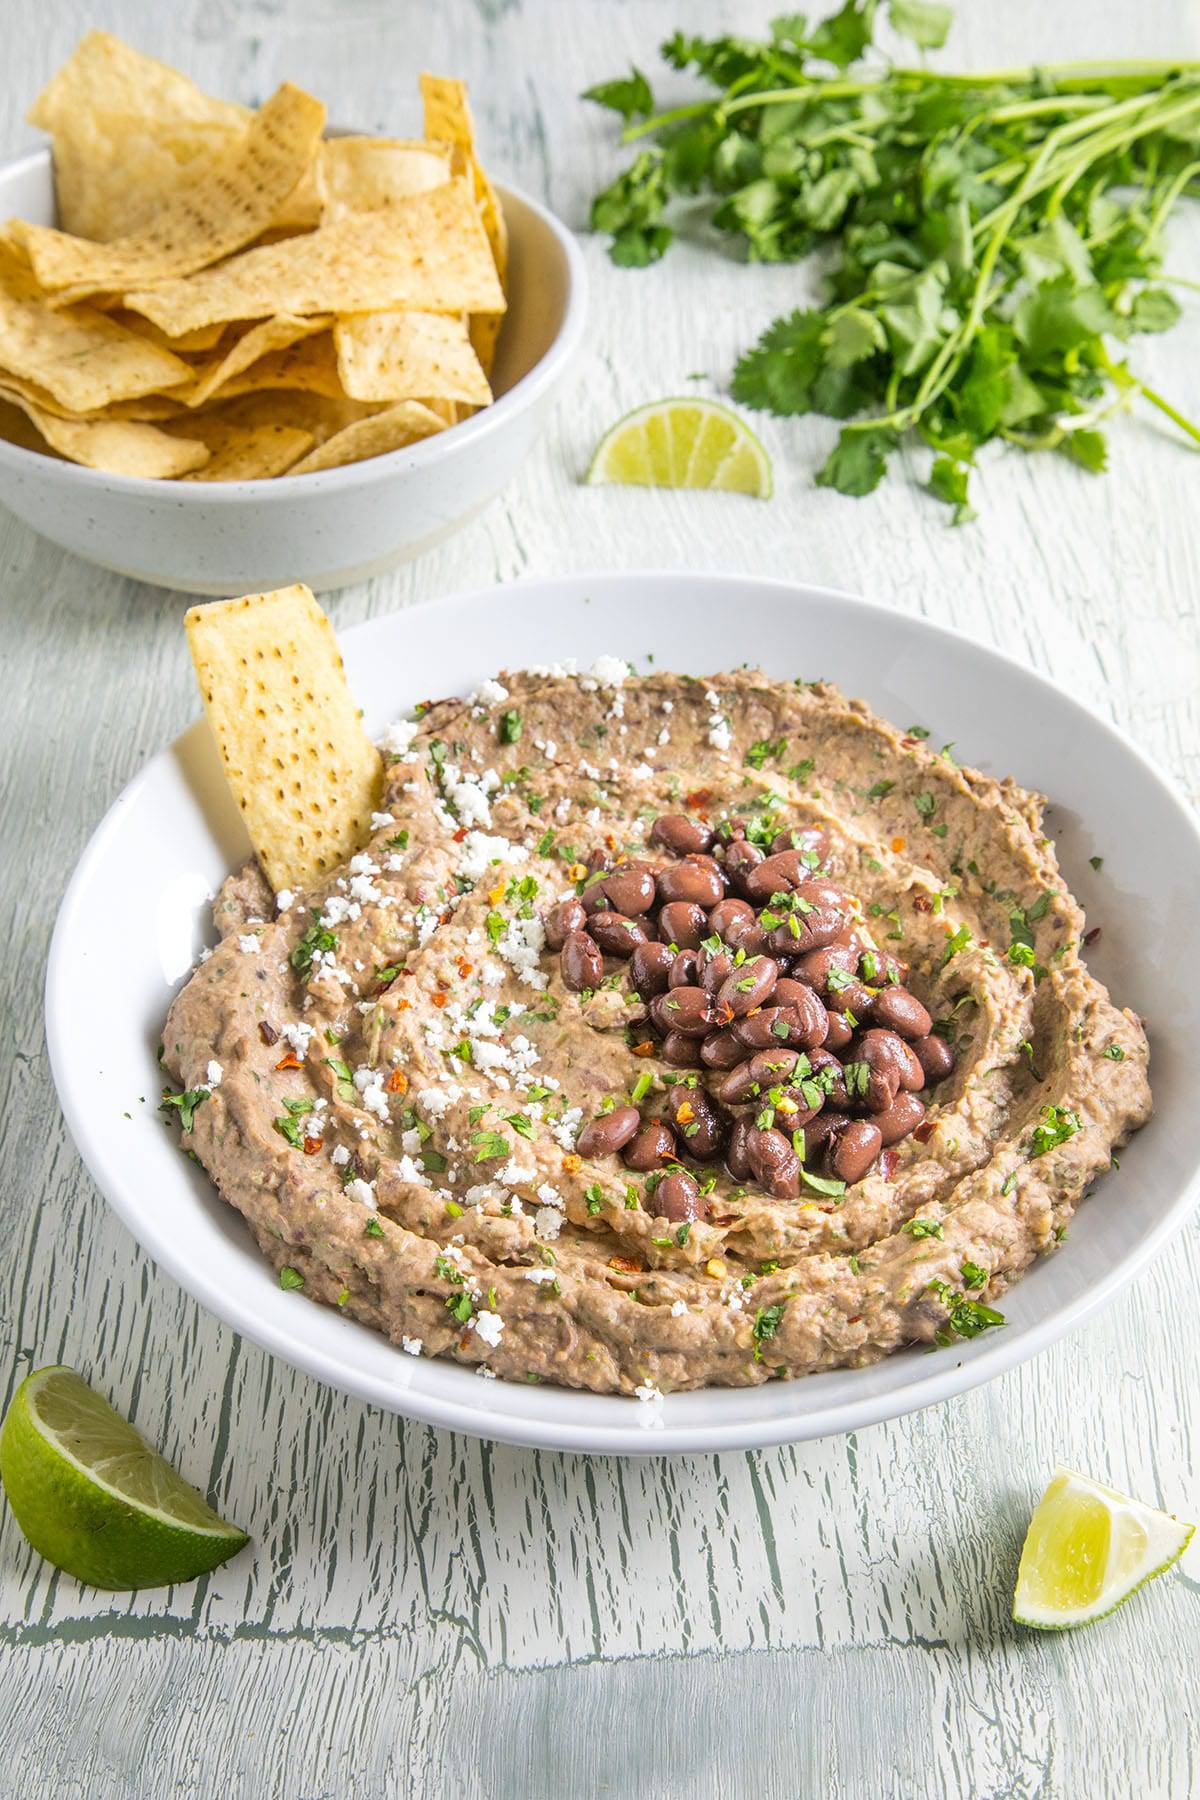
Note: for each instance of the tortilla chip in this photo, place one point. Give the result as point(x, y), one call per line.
point(427, 252)
point(296, 756)
point(390, 429)
point(118, 446)
point(408, 356)
point(214, 210)
point(205, 337)
point(17, 429)
point(124, 128)
point(270, 334)
point(321, 415)
point(365, 174)
point(245, 452)
point(310, 366)
point(78, 355)
point(448, 117)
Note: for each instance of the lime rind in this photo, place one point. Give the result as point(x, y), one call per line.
point(1088, 1550)
point(95, 1499)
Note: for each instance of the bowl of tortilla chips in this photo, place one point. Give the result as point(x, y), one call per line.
point(235, 345)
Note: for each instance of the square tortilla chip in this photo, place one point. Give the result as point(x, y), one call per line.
point(124, 128)
point(80, 356)
point(278, 333)
point(366, 174)
point(409, 356)
point(391, 429)
point(296, 755)
point(429, 251)
point(117, 446)
point(216, 208)
point(17, 429)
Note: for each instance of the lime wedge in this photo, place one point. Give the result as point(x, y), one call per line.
point(93, 1497)
point(1088, 1549)
point(686, 443)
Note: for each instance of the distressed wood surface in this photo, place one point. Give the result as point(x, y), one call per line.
point(422, 1614)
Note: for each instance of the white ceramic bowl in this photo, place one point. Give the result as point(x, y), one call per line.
point(340, 525)
point(135, 916)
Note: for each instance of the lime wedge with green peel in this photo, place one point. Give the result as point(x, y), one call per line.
point(93, 1497)
point(1087, 1550)
point(686, 443)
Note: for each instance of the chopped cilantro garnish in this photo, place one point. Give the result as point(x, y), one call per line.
point(187, 1102)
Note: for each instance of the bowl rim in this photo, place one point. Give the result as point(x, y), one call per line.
point(974, 1365)
point(373, 469)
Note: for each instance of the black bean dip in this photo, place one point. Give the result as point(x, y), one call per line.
point(668, 1033)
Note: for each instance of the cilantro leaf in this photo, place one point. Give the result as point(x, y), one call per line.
point(628, 96)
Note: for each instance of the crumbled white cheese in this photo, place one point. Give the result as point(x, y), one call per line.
point(340, 1156)
point(541, 1275)
point(651, 1406)
point(249, 945)
point(362, 1191)
point(610, 671)
point(413, 1346)
point(548, 1222)
point(397, 740)
point(489, 1325)
point(285, 900)
point(298, 1035)
point(488, 693)
point(213, 1074)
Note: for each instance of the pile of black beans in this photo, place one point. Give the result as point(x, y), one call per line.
point(754, 972)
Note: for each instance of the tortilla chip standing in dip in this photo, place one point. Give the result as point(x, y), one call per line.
point(231, 296)
point(763, 1047)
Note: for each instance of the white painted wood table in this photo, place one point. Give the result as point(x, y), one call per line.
point(424, 1614)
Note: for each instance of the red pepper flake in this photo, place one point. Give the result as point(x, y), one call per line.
point(572, 1163)
point(464, 967)
point(397, 1082)
point(460, 834)
point(290, 1061)
point(312, 1145)
point(924, 1131)
point(267, 1033)
point(439, 999)
point(724, 1219)
point(627, 1265)
point(1089, 937)
point(403, 1005)
point(646, 1049)
point(909, 743)
point(922, 903)
point(888, 1163)
point(446, 917)
point(700, 797)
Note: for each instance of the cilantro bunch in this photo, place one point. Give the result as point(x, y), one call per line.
point(988, 237)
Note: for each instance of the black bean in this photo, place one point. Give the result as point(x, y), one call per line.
point(820, 1132)
point(649, 1148)
point(743, 933)
point(935, 1057)
point(678, 1198)
point(899, 1011)
point(802, 1023)
point(617, 935)
point(561, 920)
point(609, 1132)
point(695, 1121)
point(902, 1116)
point(748, 986)
point(631, 889)
point(839, 1033)
point(686, 1009)
point(683, 924)
point(737, 1160)
point(740, 859)
point(691, 881)
point(774, 1163)
point(816, 966)
point(714, 970)
point(726, 911)
point(581, 962)
point(685, 970)
point(854, 1150)
point(823, 1063)
point(758, 1073)
point(721, 1050)
point(650, 969)
point(779, 874)
point(808, 839)
point(679, 834)
point(883, 1049)
point(681, 1052)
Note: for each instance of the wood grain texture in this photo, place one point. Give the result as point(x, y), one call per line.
point(422, 1614)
